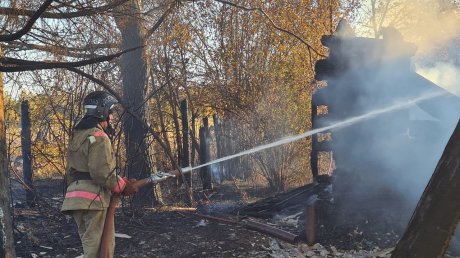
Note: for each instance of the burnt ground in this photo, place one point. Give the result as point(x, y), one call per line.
point(42, 231)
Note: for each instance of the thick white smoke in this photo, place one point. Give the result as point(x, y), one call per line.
point(446, 75)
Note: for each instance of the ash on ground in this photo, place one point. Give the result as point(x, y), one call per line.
point(42, 231)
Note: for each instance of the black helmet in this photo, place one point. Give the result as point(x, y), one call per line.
point(99, 104)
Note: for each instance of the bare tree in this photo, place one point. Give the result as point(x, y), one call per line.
point(8, 64)
point(6, 226)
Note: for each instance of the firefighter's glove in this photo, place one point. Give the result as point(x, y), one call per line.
point(131, 187)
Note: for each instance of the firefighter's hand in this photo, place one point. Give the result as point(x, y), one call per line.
point(131, 187)
point(175, 172)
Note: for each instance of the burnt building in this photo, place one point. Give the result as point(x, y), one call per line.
point(383, 161)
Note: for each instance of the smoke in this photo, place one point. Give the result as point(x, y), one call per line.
point(384, 164)
point(432, 25)
point(446, 75)
point(437, 36)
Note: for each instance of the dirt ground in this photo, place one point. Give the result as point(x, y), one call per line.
point(42, 231)
point(157, 234)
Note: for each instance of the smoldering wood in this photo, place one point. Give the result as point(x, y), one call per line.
point(438, 212)
point(355, 67)
point(26, 148)
point(272, 231)
point(256, 226)
point(318, 120)
point(172, 208)
point(294, 200)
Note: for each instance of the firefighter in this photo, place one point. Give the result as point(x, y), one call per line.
point(91, 177)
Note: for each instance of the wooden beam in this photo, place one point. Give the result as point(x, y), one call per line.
point(438, 211)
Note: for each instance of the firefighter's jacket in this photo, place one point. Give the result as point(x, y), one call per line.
point(90, 151)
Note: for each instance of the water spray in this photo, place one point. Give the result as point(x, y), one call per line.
point(402, 104)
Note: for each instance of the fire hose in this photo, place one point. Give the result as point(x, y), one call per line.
point(110, 216)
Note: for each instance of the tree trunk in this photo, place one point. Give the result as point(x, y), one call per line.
point(133, 71)
point(438, 211)
point(6, 223)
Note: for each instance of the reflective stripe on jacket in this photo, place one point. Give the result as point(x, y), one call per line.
point(90, 151)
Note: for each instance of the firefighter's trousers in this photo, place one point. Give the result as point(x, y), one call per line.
point(90, 225)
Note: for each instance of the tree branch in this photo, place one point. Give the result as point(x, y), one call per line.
point(65, 51)
point(28, 25)
point(161, 20)
point(129, 111)
point(258, 9)
point(19, 65)
point(51, 15)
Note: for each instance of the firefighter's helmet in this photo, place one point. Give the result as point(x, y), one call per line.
point(99, 104)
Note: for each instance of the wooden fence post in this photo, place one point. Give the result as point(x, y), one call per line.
point(185, 162)
point(314, 142)
point(218, 134)
point(205, 172)
point(310, 223)
point(26, 147)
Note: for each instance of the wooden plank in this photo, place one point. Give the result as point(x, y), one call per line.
point(438, 211)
